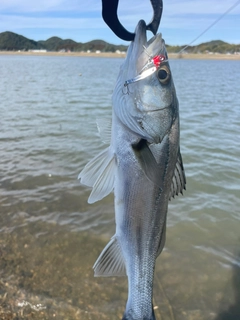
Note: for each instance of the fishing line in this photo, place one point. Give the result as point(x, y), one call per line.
point(212, 24)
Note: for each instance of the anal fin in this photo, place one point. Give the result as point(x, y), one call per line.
point(110, 263)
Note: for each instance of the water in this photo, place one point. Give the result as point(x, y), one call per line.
point(49, 235)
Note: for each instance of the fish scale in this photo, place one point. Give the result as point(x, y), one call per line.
point(142, 166)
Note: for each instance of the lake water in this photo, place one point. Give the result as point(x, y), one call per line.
point(50, 236)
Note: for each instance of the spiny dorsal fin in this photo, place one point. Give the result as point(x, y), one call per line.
point(179, 179)
point(99, 174)
point(104, 126)
point(110, 263)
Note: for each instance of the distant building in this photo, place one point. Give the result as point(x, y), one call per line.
point(39, 50)
point(120, 52)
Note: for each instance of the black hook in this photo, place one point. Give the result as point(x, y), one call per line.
point(157, 14)
point(109, 14)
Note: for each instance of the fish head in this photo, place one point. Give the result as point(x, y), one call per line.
point(144, 98)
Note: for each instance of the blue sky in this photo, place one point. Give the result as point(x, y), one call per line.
point(81, 20)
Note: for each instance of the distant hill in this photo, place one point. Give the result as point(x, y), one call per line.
point(57, 44)
point(10, 41)
point(211, 46)
point(216, 46)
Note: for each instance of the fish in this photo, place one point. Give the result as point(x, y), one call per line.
point(143, 167)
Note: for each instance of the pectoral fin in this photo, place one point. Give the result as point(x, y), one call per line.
point(110, 263)
point(99, 174)
point(154, 171)
point(146, 160)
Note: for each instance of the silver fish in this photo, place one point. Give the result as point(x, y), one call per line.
point(142, 165)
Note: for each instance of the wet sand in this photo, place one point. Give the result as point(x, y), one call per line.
point(46, 273)
point(120, 55)
point(51, 277)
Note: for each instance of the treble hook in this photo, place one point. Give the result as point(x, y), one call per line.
point(109, 14)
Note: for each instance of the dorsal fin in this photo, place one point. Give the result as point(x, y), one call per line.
point(179, 179)
point(104, 126)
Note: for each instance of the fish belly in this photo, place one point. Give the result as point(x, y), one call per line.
point(141, 208)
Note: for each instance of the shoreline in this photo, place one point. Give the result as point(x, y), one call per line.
point(197, 56)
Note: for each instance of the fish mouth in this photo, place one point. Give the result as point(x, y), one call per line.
point(158, 109)
point(144, 57)
point(150, 109)
point(150, 48)
point(141, 32)
point(140, 40)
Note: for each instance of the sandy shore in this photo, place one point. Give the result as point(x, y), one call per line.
point(119, 55)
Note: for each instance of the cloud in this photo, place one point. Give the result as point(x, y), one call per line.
point(133, 8)
point(182, 21)
point(29, 6)
point(173, 9)
point(7, 22)
point(206, 7)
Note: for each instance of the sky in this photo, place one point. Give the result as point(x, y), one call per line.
point(80, 20)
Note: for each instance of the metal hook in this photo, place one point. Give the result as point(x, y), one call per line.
point(125, 89)
point(109, 14)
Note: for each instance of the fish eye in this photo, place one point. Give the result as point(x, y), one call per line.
point(163, 74)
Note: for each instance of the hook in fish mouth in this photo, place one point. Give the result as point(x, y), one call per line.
point(109, 14)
